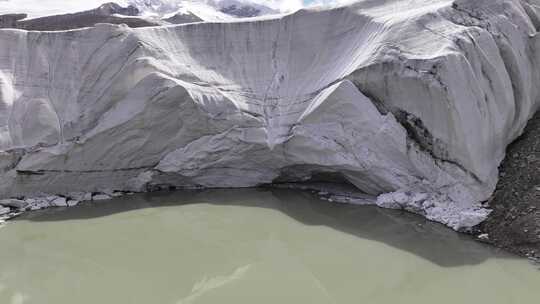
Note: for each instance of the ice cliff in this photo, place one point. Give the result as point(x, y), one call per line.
point(412, 101)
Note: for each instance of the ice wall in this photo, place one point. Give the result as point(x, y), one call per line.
point(414, 102)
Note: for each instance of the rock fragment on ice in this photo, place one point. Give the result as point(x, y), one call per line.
point(72, 202)
point(80, 196)
point(100, 197)
point(59, 202)
point(4, 210)
point(14, 203)
point(37, 203)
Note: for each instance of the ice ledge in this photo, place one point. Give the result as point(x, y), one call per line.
point(434, 207)
point(437, 208)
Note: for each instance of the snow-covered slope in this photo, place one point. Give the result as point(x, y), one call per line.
point(106, 13)
point(209, 10)
point(166, 9)
point(242, 9)
point(206, 10)
point(42, 8)
point(411, 101)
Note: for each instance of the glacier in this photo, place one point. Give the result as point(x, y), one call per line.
point(412, 102)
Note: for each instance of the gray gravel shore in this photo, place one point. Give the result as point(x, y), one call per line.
point(514, 223)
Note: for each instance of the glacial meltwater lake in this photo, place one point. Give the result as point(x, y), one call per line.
point(249, 246)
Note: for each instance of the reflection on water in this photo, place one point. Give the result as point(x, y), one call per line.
point(249, 246)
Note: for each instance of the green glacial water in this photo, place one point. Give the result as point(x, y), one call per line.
point(249, 246)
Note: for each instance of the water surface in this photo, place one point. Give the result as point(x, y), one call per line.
point(249, 246)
